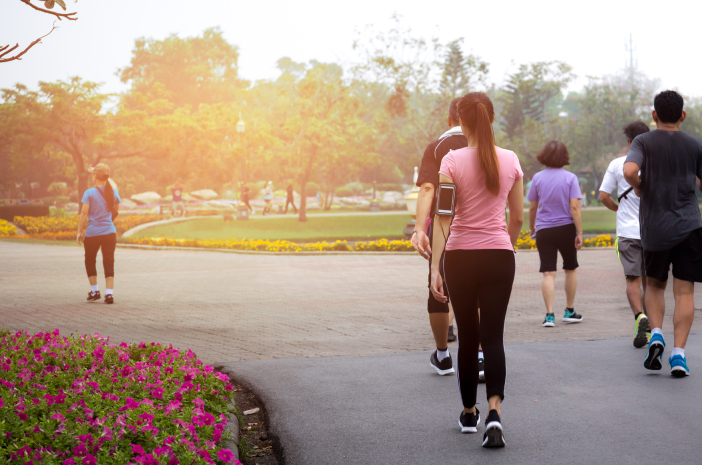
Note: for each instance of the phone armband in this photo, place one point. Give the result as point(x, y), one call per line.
point(446, 200)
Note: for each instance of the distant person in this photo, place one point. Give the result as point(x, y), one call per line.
point(99, 203)
point(440, 313)
point(289, 199)
point(583, 199)
point(479, 264)
point(628, 243)
point(554, 217)
point(268, 197)
point(244, 195)
point(670, 162)
point(177, 192)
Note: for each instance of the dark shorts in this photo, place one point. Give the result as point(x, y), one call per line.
point(685, 257)
point(550, 241)
point(630, 253)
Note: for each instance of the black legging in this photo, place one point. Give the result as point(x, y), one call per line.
point(484, 276)
point(108, 242)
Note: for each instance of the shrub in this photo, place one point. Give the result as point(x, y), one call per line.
point(57, 189)
point(312, 189)
point(344, 192)
point(355, 187)
point(79, 400)
point(43, 224)
point(7, 229)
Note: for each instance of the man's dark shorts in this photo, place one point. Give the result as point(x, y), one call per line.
point(433, 305)
point(549, 241)
point(685, 257)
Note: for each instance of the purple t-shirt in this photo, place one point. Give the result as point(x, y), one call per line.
point(553, 188)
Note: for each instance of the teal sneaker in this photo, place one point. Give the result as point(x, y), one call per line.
point(571, 317)
point(549, 321)
point(654, 355)
point(678, 366)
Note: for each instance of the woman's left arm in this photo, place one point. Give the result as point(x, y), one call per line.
point(81, 223)
point(515, 200)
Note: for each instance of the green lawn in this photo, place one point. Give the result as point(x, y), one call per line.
point(357, 227)
point(40, 241)
point(594, 221)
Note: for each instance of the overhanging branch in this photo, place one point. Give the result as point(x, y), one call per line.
point(58, 15)
point(19, 57)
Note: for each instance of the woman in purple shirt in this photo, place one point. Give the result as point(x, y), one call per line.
point(554, 217)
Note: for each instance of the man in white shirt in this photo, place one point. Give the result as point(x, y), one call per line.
point(628, 244)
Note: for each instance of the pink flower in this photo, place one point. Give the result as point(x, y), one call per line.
point(69, 462)
point(129, 404)
point(89, 460)
point(2, 404)
point(137, 449)
point(80, 450)
point(226, 456)
point(57, 416)
point(158, 393)
point(22, 416)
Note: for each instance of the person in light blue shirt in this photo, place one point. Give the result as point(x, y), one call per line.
point(99, 203)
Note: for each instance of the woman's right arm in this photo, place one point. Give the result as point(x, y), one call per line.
point(515, 200)
point(575, 211)
point(442, 228)
point(81, 223)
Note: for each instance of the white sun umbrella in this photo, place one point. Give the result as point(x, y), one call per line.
point(205, 194)
point(146, 197)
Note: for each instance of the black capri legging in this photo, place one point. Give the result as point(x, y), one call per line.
point(484, 276)
point(108, 242)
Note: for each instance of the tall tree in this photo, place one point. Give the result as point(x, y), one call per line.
point(189, 71)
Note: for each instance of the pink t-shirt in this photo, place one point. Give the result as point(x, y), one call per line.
point(480, 221)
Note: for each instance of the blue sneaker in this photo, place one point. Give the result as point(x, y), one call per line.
point(678, 366)
point(655, 353)
point(571, 317)
point(549, 321)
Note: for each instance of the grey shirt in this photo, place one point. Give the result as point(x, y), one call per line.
point(669, 161)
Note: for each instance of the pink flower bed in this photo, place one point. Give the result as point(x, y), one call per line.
point(79, 400)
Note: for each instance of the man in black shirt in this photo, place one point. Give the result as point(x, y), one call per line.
point(290, 200)
point(427, 181)
point(670, 163)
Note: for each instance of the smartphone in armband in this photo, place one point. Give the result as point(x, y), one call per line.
point(446, 200)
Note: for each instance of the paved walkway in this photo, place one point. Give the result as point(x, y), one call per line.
point(337, 347)
point(229, 307)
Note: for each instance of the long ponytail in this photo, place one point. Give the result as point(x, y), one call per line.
point(477, 113)
point(109, 193)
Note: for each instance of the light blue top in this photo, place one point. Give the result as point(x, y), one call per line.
point(99, 216)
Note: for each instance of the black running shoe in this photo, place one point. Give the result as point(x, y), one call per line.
point(443, 367)
point(109, 299)
point(93, 296)
point(468, 422)
point(451, 336)
point(481, 370)
point(640, 336)
point(493, 431)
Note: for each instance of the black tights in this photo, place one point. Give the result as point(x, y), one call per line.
point(484, 276)
point(92, 245)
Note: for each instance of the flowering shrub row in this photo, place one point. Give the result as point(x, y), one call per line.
point(6, 229)
point(45, 224)
point(275, 246)
point(79, 400)
point(603, 240)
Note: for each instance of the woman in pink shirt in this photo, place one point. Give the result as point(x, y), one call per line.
point(479, 264)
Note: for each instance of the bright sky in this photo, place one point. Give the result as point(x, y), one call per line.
point(590, 35)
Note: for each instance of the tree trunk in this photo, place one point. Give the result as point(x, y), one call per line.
point(302, 215)
point(82, 175)
point(328, 201)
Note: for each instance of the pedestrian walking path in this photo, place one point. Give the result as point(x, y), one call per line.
point(566, 402)
point(230, 307)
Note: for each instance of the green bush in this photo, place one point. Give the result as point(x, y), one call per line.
point(344, 192)
point(57, 189)
point(312, 189)
point(355, 187)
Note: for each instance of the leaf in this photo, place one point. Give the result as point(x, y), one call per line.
point(61, 4)
point(49, 4)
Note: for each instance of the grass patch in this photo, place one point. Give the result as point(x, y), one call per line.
point(356, 227)
point(594, 221)
point(72, 243)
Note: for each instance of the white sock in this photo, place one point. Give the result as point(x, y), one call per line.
point(108, 291)
point(442, 354)
point(677, 351)
point(480, 354)
point(94, 288)
point(657, 331)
